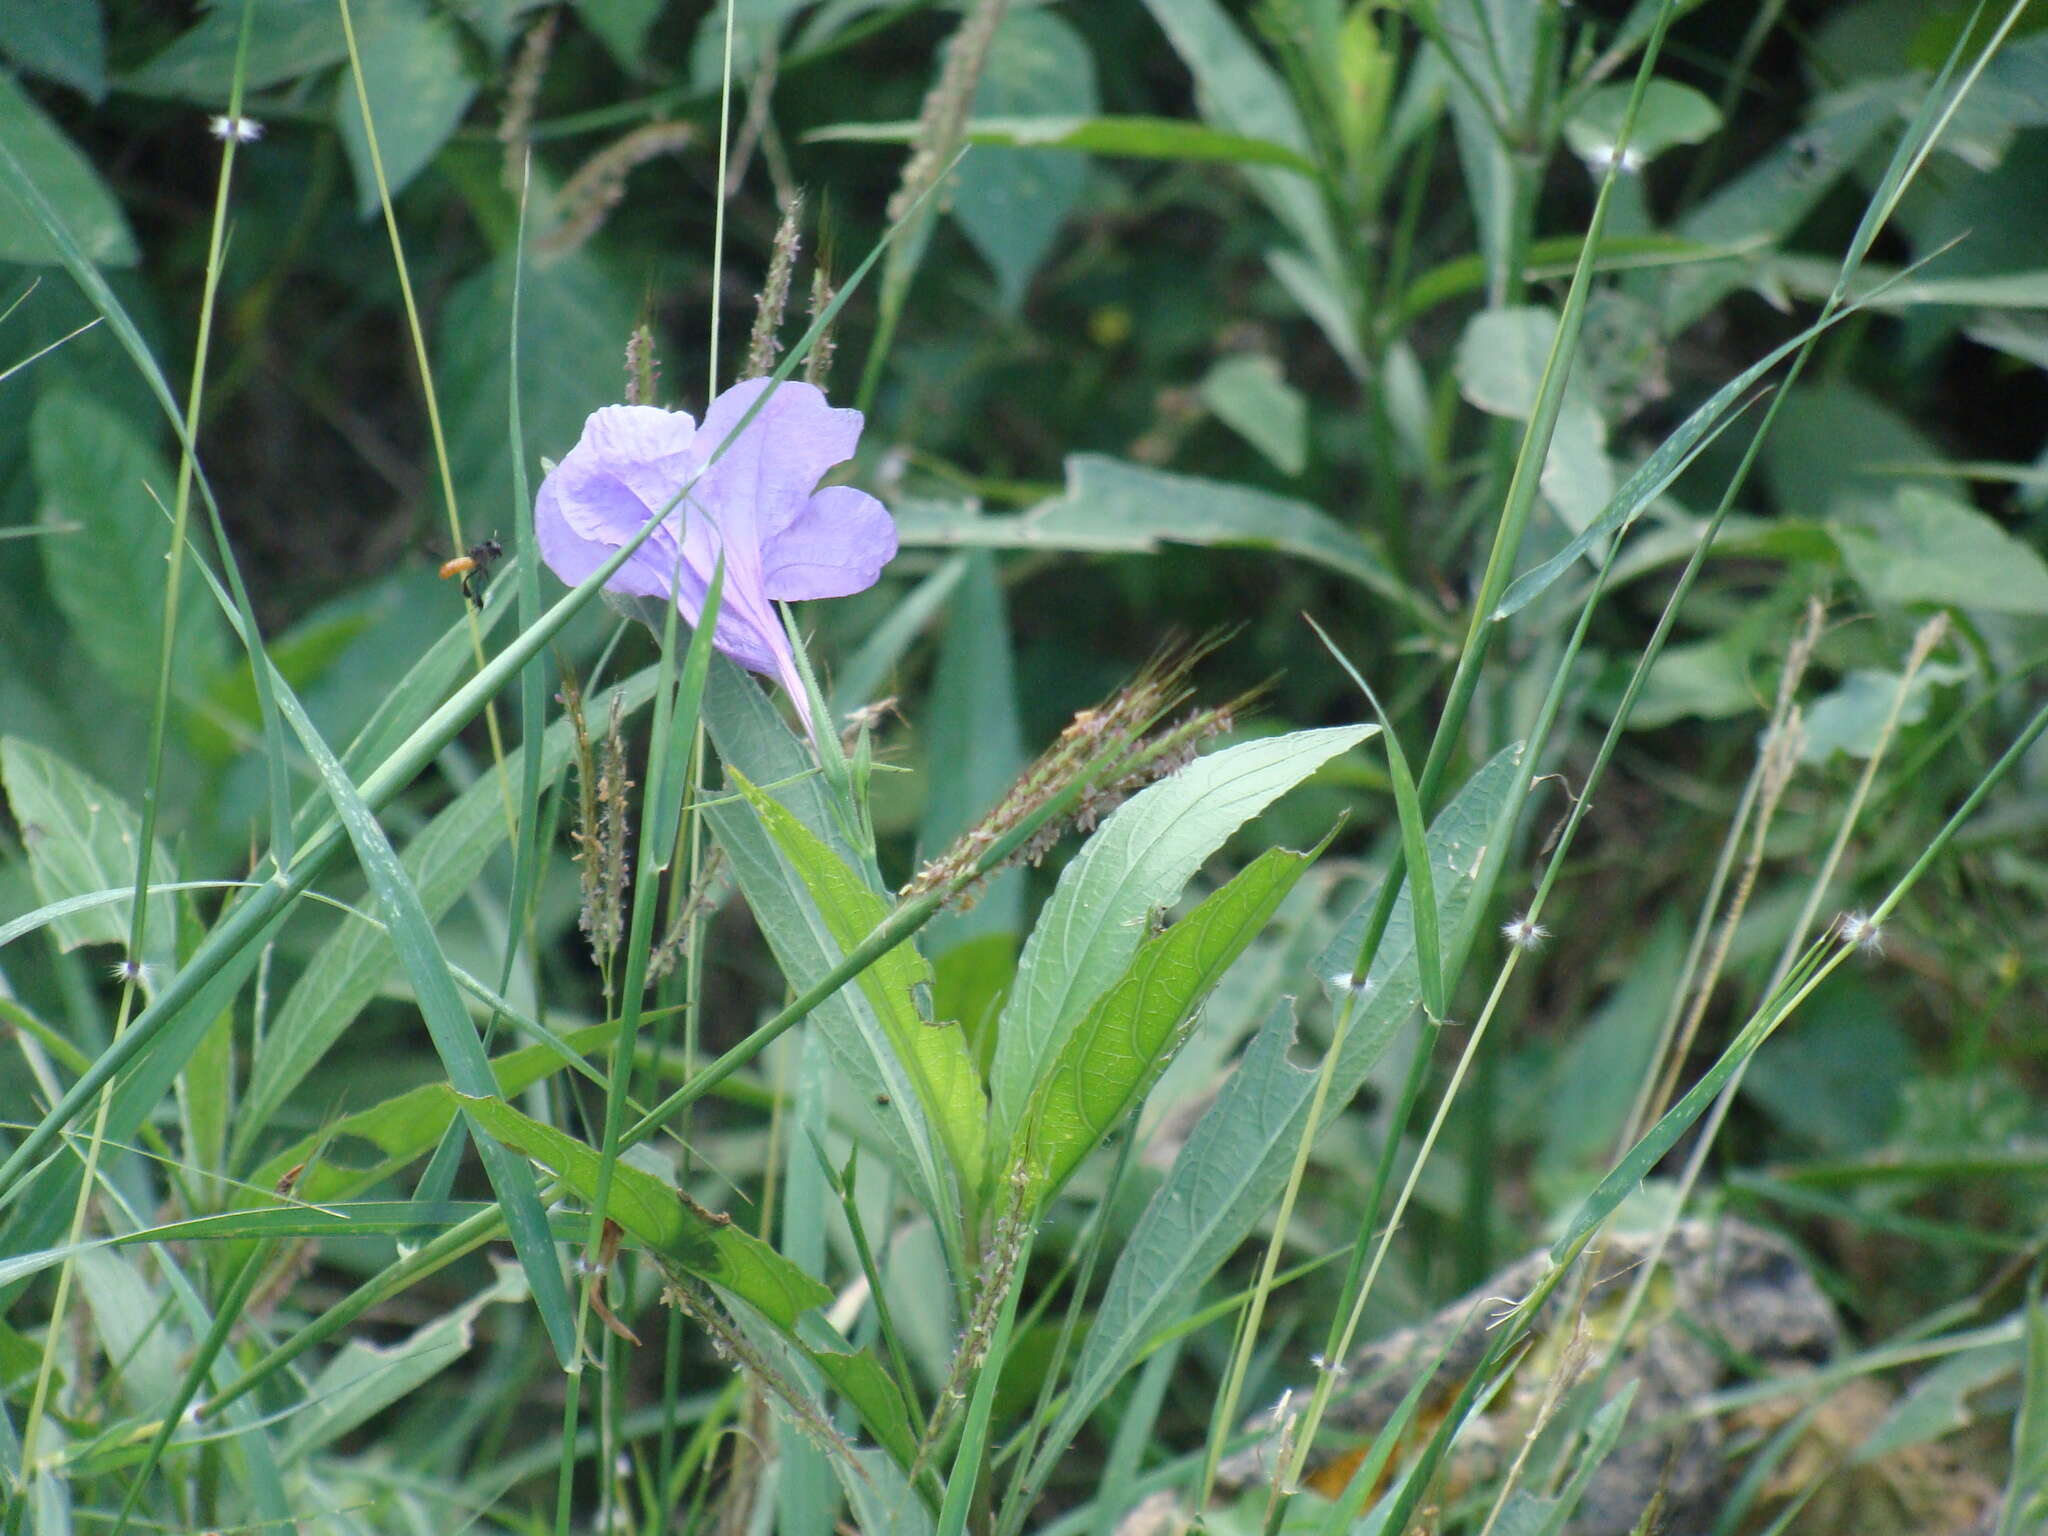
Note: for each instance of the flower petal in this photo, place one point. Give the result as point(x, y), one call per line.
point(837, 545)
point(759, 486)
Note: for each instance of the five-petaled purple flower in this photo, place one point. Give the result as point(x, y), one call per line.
point(783, 539)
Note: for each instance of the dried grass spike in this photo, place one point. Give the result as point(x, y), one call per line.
point(773, 298)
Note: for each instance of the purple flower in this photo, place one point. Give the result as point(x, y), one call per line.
point(783, 539)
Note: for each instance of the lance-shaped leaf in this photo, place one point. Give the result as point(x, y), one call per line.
point(1110, 1063)
point(1238, 1156)
point(1137, 863)
point(938, 1058)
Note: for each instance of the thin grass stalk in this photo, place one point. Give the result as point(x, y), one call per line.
point(1464, 683)
point(1929, 636)
point(1775, 766)
point(431, 396)
point(718, 210)
point(138, 922)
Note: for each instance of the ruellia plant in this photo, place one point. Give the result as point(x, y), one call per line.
point(589, 1056)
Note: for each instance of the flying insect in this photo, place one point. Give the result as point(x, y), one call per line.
point(474, 568)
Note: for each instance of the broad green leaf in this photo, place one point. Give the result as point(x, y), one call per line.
point(418, 85)
point(128, 1321)
point(936, 1053)
point(1133, 867)
point(1111, 505)
point(1237, 1158)
point(1501, 358)
point(1111, 1061)
point(756, 27)
point(1011, 202)
point(1251, 396)
point(1129, 138)
point(287, 39)
point(62, 173)
point(95, 474)
point(622, 26)
point(1500, 363)
point(1495, 41)
point(880, 1496)
point(81, 837)
point(1828, 442)
point(1851, 716)
point(1671, 114)
point(1938, 1403)
point(65, 42)
point(1925, 547)
point(710, 1247)
point(347, 971)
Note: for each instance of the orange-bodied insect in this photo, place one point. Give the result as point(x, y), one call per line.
point(474, 568)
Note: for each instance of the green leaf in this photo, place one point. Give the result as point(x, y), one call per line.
point(1925, 547)
point(1237, 1158)
point(1135, 865)
point(1671, 114)
point(1110, 505)
point(1829, 440)
point(1501, 359)
point(418, 86)
point(1938, 1403)
point(62, 173)
point(1768, 200)
point(1240, 94)
point(622, 26)
point(571, 316)
point(1251, 396)
point(96, 473)
point(1112, 1060)
point(345, 973)
point(941, 1065)
point(1851, 716)
point(454, 1036)
point(664, 1220)
point(227, 720)
point(364, 1379)
point(287, 39)
point(65, 42)
point(1011, 202)
point(2026, 1492)
point(402, 1129)
point(752, 738)
point(1127, 138)
point(81, 837)
point(711, 1247)
point(1414, 843)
